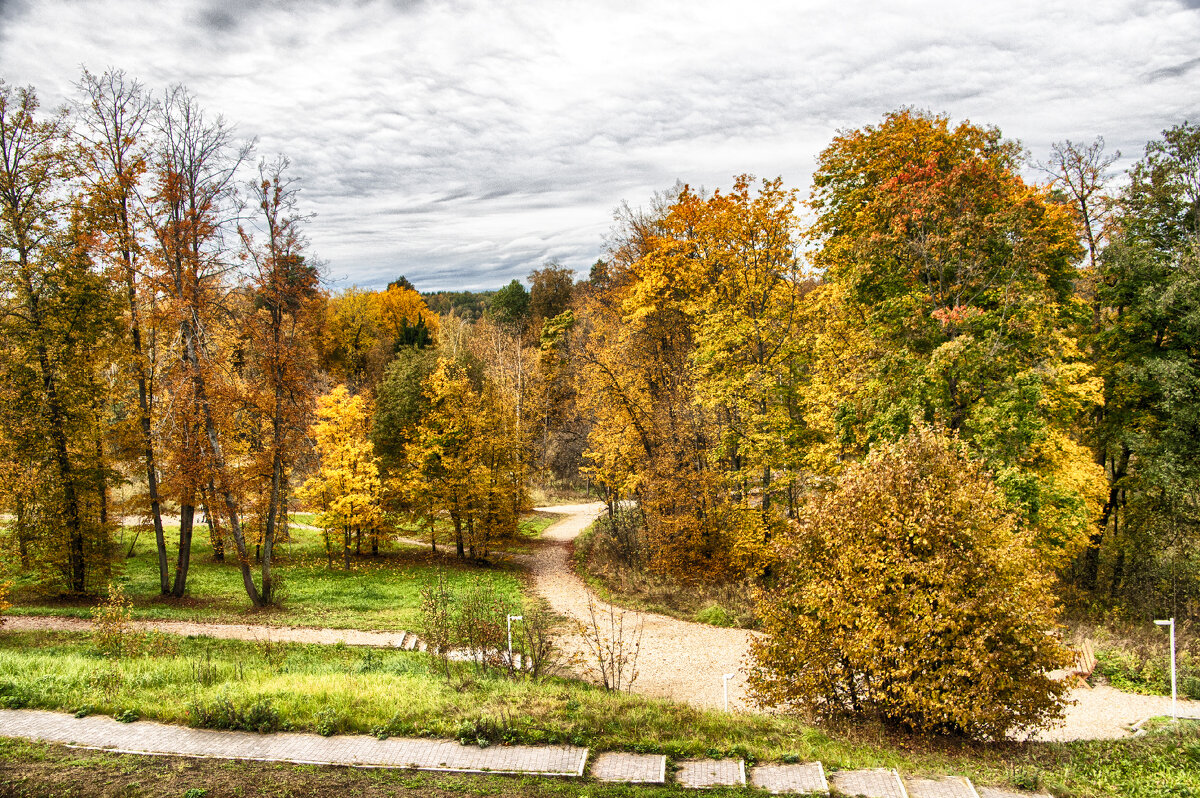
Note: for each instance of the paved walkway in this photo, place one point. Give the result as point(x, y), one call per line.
point(156, 739)
point(145, 737)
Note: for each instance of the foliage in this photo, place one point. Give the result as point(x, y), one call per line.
point(56, 327)
point(111, 632)
point(346, 487)
point(909, 593)
point(1147, 346)
point(464, 463)
point(691, 361)
point(510, 306)
point(956, 279)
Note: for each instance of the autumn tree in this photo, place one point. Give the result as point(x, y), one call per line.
point(280, 331)
point(464, 461)
point(961, 278)
point(909, 593)
point(114, 131)
point(195, 166)
point(550, 292)
point(692, 365)
point(55, 326)
point(345, 490)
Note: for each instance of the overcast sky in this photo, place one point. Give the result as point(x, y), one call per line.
point(465, 143)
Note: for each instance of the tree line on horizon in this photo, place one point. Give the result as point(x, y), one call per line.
point(1021, 360)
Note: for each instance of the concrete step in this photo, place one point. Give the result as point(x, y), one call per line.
point(630, 768)
point(779, 779)
point(878, 783)
point(697, 773)
point(941, 787)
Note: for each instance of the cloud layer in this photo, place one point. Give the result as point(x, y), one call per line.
point(464, 143)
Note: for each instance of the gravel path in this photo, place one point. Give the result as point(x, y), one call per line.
point(685, 661)
point(679, 660)
point(225, 631)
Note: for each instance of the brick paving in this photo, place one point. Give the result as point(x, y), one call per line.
point(711, 773)
point(870, 783)
point(806, 778)
point(631, 768)
point(944, 787)
point(145, 737)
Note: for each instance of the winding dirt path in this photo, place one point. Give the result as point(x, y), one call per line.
point(679, 660)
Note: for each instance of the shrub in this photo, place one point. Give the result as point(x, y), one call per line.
point(329, 722)
point(111, 631)
point(715, 615)
point(222, 713)
point(13, 696)
point(908, 593)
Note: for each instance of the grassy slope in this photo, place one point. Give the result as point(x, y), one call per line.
point(377, 593)
point(407, 694)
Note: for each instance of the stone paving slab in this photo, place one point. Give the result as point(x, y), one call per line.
point(631, 768)
point(697, 773)
point(146, 737)
point(806, 778)
point(943, 787)
point(870, 783)
point(996, 792)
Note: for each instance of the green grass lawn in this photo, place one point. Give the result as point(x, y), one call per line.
point(376, 593)
point(341, 689)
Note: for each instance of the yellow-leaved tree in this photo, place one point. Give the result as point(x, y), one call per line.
point(345, 488)
point(909, 593)
point(464, 461)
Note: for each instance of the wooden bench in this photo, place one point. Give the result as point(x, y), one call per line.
point(1085, 663)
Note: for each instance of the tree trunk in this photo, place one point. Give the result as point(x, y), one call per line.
point(215, 537)
point(218, 461)
point(1091, 557)
point(144, 403)
point(187, 518)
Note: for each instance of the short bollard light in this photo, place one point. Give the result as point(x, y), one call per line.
point(725, 684)
point(1174, 695)
point(512, 618)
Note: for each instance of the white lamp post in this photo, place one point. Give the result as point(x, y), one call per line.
point(1174, 696)
point(512, 618)
point(725, 684)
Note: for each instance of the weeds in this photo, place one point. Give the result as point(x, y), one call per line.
point(111, 632)
point(613, 645)
point(223, 712)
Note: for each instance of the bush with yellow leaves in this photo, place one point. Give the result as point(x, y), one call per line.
point(908, 593)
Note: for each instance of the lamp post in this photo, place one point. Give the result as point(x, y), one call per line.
point(725, 684)
point(1174, 695)
point(512, 618)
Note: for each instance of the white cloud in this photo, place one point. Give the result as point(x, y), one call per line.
point(462, 143)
